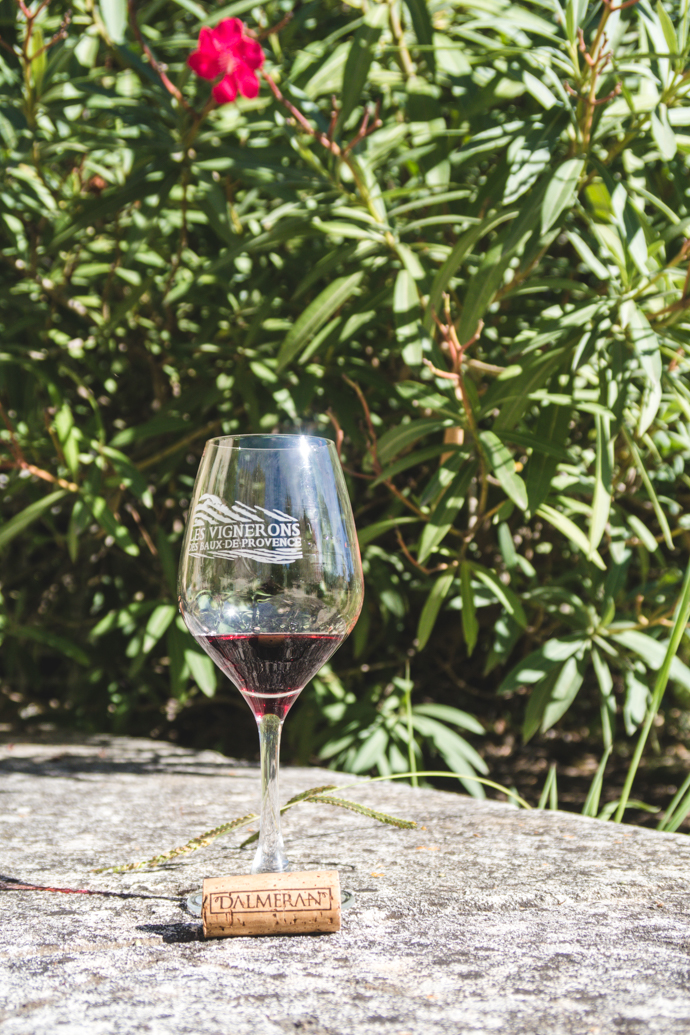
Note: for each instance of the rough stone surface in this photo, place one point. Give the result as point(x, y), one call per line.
point(483, 919)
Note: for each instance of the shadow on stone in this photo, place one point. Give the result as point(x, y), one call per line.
point(77, 765)
point(174, 933)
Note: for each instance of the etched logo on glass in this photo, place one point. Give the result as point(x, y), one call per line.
point(264, 535)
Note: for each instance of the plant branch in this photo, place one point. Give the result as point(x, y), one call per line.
point(159, 68)
point(22, 463)
point(373, 445)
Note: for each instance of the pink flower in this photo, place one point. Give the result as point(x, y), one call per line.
point(226, 51)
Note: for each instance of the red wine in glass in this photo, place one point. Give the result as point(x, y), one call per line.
point(270, 671)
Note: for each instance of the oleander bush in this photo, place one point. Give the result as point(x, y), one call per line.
point(453, 236)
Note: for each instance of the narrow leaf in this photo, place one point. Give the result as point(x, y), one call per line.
point(537, 664)
point(359, 60)
point(560, 191)
point(115, 18)
point(317, 314)
point(660, 516)
point(503, 466)
point(445, 512)
point(16, 525)
point(51, 640)
point(432, 606)
point(367, 535)
point(398, 438)
point(463, 248)
point(603, 472)
point(470, 626)
point(158, 622)
point(591, 805)
point(107, 520)
point(203, 671)
point(551, 427)
point(506, 596)
point(571, 531)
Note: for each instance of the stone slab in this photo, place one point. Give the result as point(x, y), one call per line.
point(484, 918)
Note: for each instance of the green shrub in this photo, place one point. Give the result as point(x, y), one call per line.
point(451, 235)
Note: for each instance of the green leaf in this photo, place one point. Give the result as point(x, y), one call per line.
point(678, 631)
point(528, 155)
point(551, 427)
point(450, 56)
point(587, 255)
point(550, 790)
point(16, 525)
point(443, 476)
point(603, 488)
point(591, 805)
point(203, 671)
point(317, 314)
point(560, 191)
point(398, 438)
point(130, 475)
point(509, 244)
point(52, 640)
point(329, 77)
point(660, 516)
point(571, 531)
point(359, 58)
point(412, 460)
point(511, 397)
point(158, 622)
point(107, 520)
point(653, 653)
point(432, 606)
point(423, 29)
point(150, 429)
point(575, 11)
point(664, 137)
point(445, 713)
point(667, 28)
point(537, 664)
point(503, 466)
point(445, 512)
point(636, 699)
point(371, 532)
point(648, 350)
point(37, 51)
point(408, 313)
point(371, 751)
point(115, 17)
point(460, 251)
point(470, 626)
point(642, 532)
point(678, 808)
point(603, 673)
point(507, 597)
point(552, 697)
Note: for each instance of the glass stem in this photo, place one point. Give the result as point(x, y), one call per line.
point(270, 855)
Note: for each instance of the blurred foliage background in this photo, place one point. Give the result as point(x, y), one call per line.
point(453, 236)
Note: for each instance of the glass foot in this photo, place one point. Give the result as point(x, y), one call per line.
point(194, 903)
point(347, 898)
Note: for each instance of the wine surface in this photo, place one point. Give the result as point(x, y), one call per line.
point(270, 670)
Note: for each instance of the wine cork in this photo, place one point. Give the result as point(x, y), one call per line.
point(271, 903)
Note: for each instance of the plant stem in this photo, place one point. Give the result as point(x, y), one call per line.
point(682, 616)
point(410, 735)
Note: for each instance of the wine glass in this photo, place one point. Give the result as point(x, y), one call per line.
point(270, 582)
